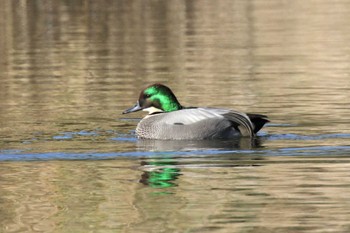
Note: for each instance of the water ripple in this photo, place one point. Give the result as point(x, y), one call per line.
point(331, 151)
point(306, 137)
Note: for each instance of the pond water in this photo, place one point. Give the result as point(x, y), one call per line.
point(70, 161)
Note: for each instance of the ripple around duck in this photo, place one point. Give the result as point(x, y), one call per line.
point(203, 148)
point(306, 137)
point(312, 151)
point(71, 135)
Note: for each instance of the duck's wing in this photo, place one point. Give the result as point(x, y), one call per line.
point(200, 117)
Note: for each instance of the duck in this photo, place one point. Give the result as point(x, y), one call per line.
point(167, 119)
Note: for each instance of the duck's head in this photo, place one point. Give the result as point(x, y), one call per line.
point(156, 98)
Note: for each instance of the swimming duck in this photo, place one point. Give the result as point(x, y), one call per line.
point(169, 120)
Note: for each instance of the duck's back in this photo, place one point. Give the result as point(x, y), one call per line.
point(195, 123)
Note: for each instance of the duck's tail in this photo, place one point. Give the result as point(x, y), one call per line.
point(258, 120)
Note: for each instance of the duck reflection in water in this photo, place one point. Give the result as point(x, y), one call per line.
point(160, 173)
point(239, 143)
point(163, 171)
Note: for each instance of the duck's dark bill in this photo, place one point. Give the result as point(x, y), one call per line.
point(135, 108)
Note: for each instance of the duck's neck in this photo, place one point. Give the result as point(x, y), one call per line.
point(169, 107)
point(169, 103)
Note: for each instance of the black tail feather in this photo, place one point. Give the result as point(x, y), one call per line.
point(258, 120)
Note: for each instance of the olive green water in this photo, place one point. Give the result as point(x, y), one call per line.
point(70, 162)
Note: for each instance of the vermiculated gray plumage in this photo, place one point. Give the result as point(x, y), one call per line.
point(196, 123)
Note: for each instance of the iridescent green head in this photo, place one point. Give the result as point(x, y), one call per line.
point(156, 98)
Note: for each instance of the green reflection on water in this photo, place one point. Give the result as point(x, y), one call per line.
point(163, 175)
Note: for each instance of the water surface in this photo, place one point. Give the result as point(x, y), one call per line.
point(70, 161)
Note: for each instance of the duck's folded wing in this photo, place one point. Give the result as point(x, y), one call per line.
point(201, 117)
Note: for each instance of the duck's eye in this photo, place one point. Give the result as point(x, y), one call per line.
point(146, 95)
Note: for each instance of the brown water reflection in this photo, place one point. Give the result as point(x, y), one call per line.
point(69, 68)
point(105, 196)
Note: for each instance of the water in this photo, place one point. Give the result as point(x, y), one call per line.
point(70, 161)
